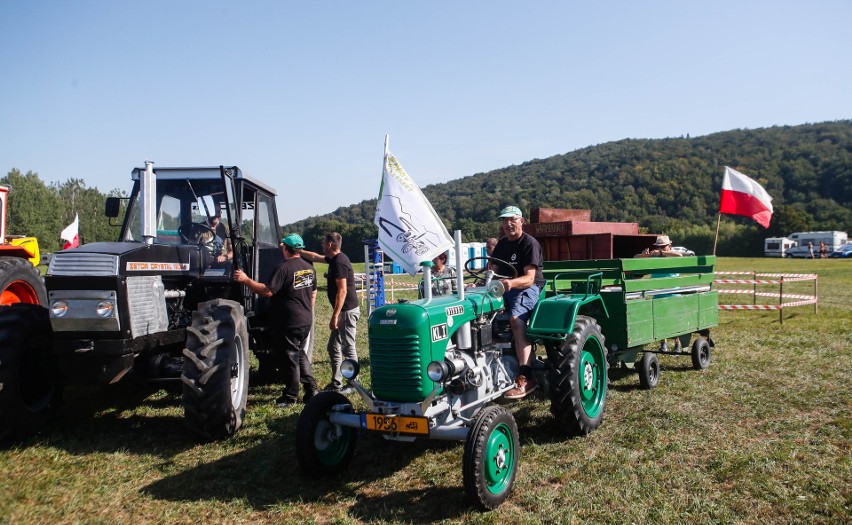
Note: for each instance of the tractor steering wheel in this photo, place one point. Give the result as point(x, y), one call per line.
point(191, 233)
point(479, 273)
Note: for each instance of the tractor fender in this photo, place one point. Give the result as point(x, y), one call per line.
point(555, 316)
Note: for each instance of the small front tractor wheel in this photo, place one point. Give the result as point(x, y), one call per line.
point(216, 369)
point(491, 456)
point(578, 378)
point(28, 389)
point(700, 354)
point(649, 371)
point(321, 447)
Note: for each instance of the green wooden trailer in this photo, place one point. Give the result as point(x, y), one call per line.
point(644, 306)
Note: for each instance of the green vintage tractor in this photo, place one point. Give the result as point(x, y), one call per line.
point(438, 364)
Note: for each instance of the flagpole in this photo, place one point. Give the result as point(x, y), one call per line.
point(716, 239)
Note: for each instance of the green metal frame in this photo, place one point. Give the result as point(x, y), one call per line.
point(635, 301)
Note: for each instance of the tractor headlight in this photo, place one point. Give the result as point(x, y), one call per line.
point(438, 371)
point(106, 309)
point(59, 308)
point(349, 369)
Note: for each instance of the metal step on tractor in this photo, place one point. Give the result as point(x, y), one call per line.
point(158, 304)
point(440, 365)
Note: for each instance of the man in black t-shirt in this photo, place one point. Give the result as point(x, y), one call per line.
point(291, 310)
point(344, 302)
point(523, 253)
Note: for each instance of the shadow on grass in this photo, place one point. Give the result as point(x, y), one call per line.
point(267, 474)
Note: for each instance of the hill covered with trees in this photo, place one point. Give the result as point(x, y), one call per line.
point(668, 186)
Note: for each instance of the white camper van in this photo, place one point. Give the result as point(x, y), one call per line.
point(833, 241)
point(777, 246)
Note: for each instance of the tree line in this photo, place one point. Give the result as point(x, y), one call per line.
point(36, 209)
point(669, 186)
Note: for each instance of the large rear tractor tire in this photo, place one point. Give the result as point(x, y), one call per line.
point(321, 447)
point(216, 369)
point(29, 392)
point(491, 456)
point(20, 282)
point(578, 378)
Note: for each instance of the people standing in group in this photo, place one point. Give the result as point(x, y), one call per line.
point(811, 250)
point(291, 287)
point(523, 253)
point(823, 250)
point(344, 302)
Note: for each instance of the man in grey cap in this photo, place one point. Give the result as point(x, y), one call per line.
point(523, 253)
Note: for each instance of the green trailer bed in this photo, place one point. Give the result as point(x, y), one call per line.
point(636, 302)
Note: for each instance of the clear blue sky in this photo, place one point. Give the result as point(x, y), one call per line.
point(301, 94)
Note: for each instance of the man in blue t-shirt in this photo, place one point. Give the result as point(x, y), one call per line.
point(523, 253)
point(291, 290)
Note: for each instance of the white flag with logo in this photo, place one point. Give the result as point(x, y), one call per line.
point(410, 231)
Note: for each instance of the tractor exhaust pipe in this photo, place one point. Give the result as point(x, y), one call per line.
point(463, 337)
point(148, 203)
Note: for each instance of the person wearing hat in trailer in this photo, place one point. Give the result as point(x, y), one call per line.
point(523, 252)
point(662, 248)
point(291, 288)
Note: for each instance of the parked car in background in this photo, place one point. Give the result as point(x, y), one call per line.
point(844, 251)
point(683, 251)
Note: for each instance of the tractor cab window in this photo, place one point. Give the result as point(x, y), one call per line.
point(266, 220)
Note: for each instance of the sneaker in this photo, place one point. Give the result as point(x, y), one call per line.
point(523, 387)
point(283, 402)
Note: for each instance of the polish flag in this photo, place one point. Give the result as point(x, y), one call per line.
point(71, 234)
point(743, 196)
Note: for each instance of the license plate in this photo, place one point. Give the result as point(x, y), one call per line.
point(396, 424)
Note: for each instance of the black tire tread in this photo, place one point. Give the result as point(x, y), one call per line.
point(20, 269)
point(315, 411)
point(208, 357)
point(474, 450)
point(25, 359)
point(563, 376)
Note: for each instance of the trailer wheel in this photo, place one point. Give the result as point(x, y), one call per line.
point(28, 390)
point(20, 282)
point(700, 354)
point(649, 371)
point(491, 455)
point(215, 369)
point(578, 378)
point(321, 447)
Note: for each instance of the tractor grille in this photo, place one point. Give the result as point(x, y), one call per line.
point(397, 368)
point(147, 305)
point(88, 264)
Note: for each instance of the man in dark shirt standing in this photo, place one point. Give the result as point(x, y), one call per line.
point(523, 253)
point(291, 288)
point(344, 302)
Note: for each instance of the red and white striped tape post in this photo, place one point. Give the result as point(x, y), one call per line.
point(780, 296)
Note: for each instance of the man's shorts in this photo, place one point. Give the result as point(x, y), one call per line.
point(522, 302)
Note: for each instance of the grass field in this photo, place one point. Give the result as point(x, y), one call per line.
point(762, 436)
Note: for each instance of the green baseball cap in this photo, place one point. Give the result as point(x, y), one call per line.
point(511, 211)
point(294, 241)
